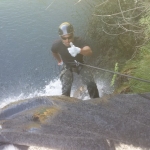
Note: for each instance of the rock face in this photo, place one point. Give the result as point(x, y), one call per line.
point(65, 123)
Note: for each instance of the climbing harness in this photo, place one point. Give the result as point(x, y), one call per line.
point(143, 80)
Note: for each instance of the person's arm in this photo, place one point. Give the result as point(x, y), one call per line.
point(86, 51)
point(73, 50)
point(57, 57)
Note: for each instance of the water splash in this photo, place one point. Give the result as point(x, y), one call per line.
point(10, 147)
point(51, 89)
point(54, 88)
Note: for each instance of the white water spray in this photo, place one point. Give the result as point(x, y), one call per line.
point(51, 89)
point(10, 147)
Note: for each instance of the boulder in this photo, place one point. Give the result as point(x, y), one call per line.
point(67, 123)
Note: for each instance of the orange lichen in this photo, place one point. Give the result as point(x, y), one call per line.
point(44, 113)
point(65, 98)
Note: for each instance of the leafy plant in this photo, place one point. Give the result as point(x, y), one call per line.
point(120, 30)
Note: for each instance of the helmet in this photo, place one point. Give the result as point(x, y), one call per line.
point(65, 28)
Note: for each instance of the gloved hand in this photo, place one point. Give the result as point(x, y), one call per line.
point(60, 63)
point(74, 50)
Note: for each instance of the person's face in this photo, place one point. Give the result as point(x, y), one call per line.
point(66, 39)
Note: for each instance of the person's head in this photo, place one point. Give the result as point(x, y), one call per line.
point(66, 32)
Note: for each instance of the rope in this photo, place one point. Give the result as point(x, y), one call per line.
point(143, 80)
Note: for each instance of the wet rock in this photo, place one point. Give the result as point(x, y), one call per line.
point(65, 123)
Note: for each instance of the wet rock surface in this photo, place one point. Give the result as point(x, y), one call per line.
point(65, 123)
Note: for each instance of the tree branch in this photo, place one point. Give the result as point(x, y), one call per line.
point(115, 14)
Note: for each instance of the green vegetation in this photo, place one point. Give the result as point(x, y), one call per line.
point(114, 76)
point(120, 30)
point(142, 61)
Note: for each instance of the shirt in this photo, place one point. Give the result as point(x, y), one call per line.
point(59, 47)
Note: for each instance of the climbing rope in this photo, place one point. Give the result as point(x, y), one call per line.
point(143, 80)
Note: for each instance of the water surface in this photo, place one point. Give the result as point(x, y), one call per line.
point(27, 31)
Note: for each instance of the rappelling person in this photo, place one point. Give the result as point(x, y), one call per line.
point(69, 50)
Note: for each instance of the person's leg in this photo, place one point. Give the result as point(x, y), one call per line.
point(66, 78)
point(92, 89)
point(88, 79)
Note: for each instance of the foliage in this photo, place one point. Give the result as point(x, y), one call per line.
point(142, 71)
point(120, 30)
point(143, 60)
point(140, 66)
point(114, 26)
point(114, 76)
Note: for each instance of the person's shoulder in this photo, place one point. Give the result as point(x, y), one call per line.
point(55, 45)
point(57, 42)
point(80, 41)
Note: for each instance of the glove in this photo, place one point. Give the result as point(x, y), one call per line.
point(60, 63)
point(74, 50)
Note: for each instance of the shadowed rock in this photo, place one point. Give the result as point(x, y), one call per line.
point(66, 123)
